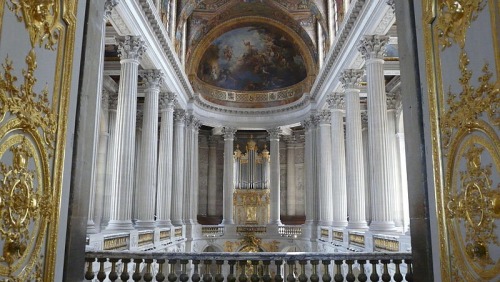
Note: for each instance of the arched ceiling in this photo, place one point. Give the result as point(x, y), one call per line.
point(251, 53)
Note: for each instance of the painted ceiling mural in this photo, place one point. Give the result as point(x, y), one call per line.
point(257, 57)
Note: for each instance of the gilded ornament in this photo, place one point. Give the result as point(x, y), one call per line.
point(40, 18)
point(468, 106)
point(454, 19)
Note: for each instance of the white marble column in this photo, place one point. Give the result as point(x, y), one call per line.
point(228, 181)
point(195, 168)
point(110, 158)
point(188, 172)
point(165, 160)
point(148, 160)
point(212, 175)
point(394, 169)
point(291, 188)
point(400, 136)
point(366, 164)
point(130, 49)
point(138, 147)
point(325, 169)
point(339, 197)
point(372, 48)
point(354, 150)
point(274, 138)
point(178, 167)
point(310, 171)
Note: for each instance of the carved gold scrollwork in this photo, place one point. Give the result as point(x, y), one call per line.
point(27, 138)
point(455, 17)
point(40, 18)
point(468, 106)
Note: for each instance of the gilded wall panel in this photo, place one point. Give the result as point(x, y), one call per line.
point(36, 57)
point(462, 66)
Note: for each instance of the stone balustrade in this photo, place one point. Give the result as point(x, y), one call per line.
point(161, 266)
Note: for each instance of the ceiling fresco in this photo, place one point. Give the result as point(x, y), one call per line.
point(253, 58)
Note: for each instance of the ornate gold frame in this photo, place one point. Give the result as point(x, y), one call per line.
point(445, 23)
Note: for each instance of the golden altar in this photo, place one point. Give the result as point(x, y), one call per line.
point(251, 206)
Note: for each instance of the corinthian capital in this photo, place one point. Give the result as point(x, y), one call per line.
point(274, 133)
point(350, 78)
point(373, 46)
point(152, 78)
point(228, 132)
point(336, 101)
point(130, 47)
point(167, 99)
point(180, 116)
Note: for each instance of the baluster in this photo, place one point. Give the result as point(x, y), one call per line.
point(397, 276)
point(160, 277)
point(255, 276)
point(243, 275)
point(278, 277)
point(148, 276)
point(183, 277)
point(290, 277)
point(374, 276)
point(219, 277)
point(172, 277)
point(386, 277)
point(409, 270)
point(266, 277)
point(196, 274)
point(125, 276)
point(207, 276)
point(362, 275)
point(231, 277)
point(89, 274)
point(113, 275)
point(326, 274)
point(338, 277)
point(101, 275)
point(314, 275)
point(302, 276)
point(350, 276)
point(137, 273)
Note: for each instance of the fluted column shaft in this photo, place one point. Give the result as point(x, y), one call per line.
point(110, 159)
point(310, 172)
point(165, 160)
point(339, 198)
point(274, 138)
point(149, 150)
point(372, 47)
point(291, 189)
point(325, 169)
point(354, 151)
point(137, 165)
point(212, 176)
point(195, 167)
point(131, 49)
point(228, 181)
point(394, 169)
point(178, 168)
point(188, 172)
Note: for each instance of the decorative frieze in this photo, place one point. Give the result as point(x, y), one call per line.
point(385, 244)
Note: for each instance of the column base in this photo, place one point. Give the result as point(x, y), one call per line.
point(91, 228)
point(144, 224)
point(163, 223)
point(357, 225)
point(227, 222)
point(119, 225)
point(177, 222)
point(340, 224)
point(382, 226)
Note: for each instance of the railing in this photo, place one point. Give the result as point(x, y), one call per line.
point(266, 267)
point(212, 231)
point(290, 230)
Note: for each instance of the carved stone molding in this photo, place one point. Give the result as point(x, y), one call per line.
point(373, 46)
point(274, 133)
point(324, 117)
point(228, 132)
point(108, 6)
point(179, 116)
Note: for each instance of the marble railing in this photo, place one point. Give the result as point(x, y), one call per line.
point(266, 267)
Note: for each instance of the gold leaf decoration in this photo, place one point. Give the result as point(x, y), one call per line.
point(32, 109)
point(454, 19)
point(468, 106)
point(474, 205)
point(40, 19)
